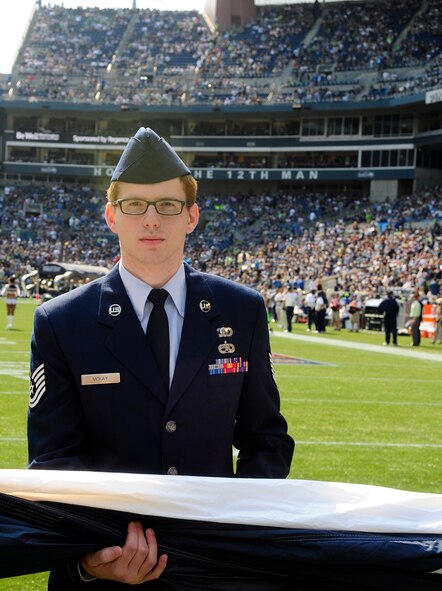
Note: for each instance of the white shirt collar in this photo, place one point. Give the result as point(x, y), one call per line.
point(138, 290)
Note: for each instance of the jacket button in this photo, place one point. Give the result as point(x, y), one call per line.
point(172, 471)
point(171, 426)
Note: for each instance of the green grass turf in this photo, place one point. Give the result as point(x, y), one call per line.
point(365, 417)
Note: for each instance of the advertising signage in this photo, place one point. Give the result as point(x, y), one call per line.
point(40, 136)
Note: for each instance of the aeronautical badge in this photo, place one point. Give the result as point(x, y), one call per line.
point(224, 331)
point(37, 386)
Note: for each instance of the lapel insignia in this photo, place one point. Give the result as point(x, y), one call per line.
point(229, 365)
point(224, 331)
point(205, 306)
point(226, 347)
point(115, 310)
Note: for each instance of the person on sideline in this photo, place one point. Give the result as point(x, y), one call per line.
point(155, 368)
point(291, 300)
point(415, 319)
point(390, 309)
point(321, 304)
point(437, 337)
point(335, 312)
point(354, 309)
point(11, 292)
point(309, 303)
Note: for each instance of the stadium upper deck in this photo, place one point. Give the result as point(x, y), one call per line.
point(345, 50)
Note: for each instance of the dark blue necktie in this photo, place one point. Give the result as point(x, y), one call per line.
point(157, 332)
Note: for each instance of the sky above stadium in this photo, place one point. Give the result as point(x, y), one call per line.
point(15, 15)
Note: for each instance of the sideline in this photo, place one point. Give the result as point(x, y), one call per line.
point(390, 350)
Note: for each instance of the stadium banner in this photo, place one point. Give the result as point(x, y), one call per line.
point(226, 174)
point(231, 530)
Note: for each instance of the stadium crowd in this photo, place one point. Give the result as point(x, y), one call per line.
point(358, 36)
point(74, 42)
point(266, 241)
point(292, 53)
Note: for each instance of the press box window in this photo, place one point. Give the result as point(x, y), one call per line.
point(313, 127)
point(387, 158)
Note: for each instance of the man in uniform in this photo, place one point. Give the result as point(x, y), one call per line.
point(103, 397)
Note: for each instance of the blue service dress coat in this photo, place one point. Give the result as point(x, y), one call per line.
point(98, 402)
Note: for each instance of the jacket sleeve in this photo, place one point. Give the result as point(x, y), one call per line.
point(265, 447)
point(57, 437)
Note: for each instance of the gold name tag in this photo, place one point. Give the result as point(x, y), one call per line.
point(94, 379)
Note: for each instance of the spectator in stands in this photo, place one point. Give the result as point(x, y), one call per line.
point(434, 286)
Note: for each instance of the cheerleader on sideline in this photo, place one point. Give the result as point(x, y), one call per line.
point(11, 292)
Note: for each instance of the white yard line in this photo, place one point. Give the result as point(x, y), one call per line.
point(357, 401)
point(369, 444)
point(401, 351)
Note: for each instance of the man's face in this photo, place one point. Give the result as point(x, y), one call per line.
point(150, 241)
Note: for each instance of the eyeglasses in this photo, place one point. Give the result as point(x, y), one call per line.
point(140, 206)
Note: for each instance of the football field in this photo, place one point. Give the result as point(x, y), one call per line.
point(359, 412)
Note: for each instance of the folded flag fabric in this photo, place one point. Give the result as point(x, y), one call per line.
point(226, 534)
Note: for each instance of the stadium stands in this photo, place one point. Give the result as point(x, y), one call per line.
point(72, 42)
point(305, 92)
point(304, 53)
point(255, 239)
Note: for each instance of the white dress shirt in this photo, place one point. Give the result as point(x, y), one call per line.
point(175, 304)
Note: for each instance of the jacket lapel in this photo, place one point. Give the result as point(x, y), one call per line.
point(198, 337)
point(127, 341)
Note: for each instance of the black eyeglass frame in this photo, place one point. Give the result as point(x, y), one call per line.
point(118, 202)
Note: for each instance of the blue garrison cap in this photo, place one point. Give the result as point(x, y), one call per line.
point(147, 159)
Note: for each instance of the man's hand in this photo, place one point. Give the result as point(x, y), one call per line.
point(134, 563)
